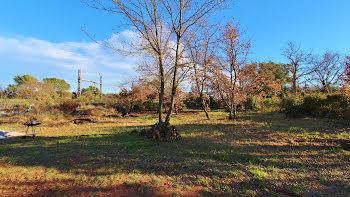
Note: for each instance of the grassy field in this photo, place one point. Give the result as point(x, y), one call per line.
point(259, 154)
point(12, 103)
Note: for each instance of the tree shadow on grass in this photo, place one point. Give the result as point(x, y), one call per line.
point(124, 152)
point(278, 120)
point(116, 151)
point(71, 188)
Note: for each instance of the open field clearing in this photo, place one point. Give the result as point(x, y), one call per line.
point(259, 154)
point(175, 98)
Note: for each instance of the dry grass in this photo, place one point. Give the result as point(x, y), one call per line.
point(259, 154)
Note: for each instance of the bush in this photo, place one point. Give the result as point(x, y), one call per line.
point(312, 105)
point(270, 104)
point(137, 108)
point(216, 103)
point(192, 103)
point(150, 106)
point(267, 104)
point(26, 105)
point(317, 105)
point(335, 105)
point(68, 106)
point(122, 108)
point(288, 103)
point(292, 106)
point(195, 103)
point(252, 103)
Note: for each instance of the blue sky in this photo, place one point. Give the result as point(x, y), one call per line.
point(44, 38)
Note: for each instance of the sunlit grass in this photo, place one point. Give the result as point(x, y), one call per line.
point(257, 154)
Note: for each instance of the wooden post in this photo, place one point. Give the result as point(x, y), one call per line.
point(305, 87)
point(79, 83)
point(101, 87)
point(94, 82)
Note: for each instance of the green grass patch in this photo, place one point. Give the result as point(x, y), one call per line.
point(250, 156)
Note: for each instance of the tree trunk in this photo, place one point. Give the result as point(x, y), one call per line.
point(234, 109)
point(177, 60)
point(294, 83)
point(209, 104)
point(176, 110)
point(231, 111)
point(205, 109)
point(161, 92)
point(173, 90)
point(233, 93)
point(328, 90)
point(200, 91)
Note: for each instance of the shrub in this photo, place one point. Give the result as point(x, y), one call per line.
point(290, 102)
point(270, 104)
point(122, 108)
point(292, 106)
point(335, 105)
point(195, 103)
point(252, 103)
point(265, 104)
point(312, 105)
point(137, 107)
point(192, 103)
point(68, 106)
point(216, 103)
point(150, 106)
point(26, 105)
point(317, 105)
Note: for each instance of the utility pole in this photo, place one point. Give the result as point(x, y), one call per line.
point(94, 82)
point(305, 87)
point(101, 87)
point(79, 83)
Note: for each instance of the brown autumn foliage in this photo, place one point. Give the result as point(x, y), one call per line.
point(226, 74)
point(347, 75)
point(178, 100)
point(151, 20)
point(264, 79)
point(133, 99)
point(347, 69)
point(202, 55)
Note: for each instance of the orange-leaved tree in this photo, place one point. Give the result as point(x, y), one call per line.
point(225, 80)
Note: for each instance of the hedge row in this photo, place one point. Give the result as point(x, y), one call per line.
point(317, 105)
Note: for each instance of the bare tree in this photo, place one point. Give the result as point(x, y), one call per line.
point(185, 15)
point(155, 21)
point(147, 18)
point(235, 49)
point(147, 74)
point(347, 69)
point(201, 55)
point(298, 59)
point(328, 70)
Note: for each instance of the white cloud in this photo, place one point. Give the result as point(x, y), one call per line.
point(21, 53)
point(66, 54)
